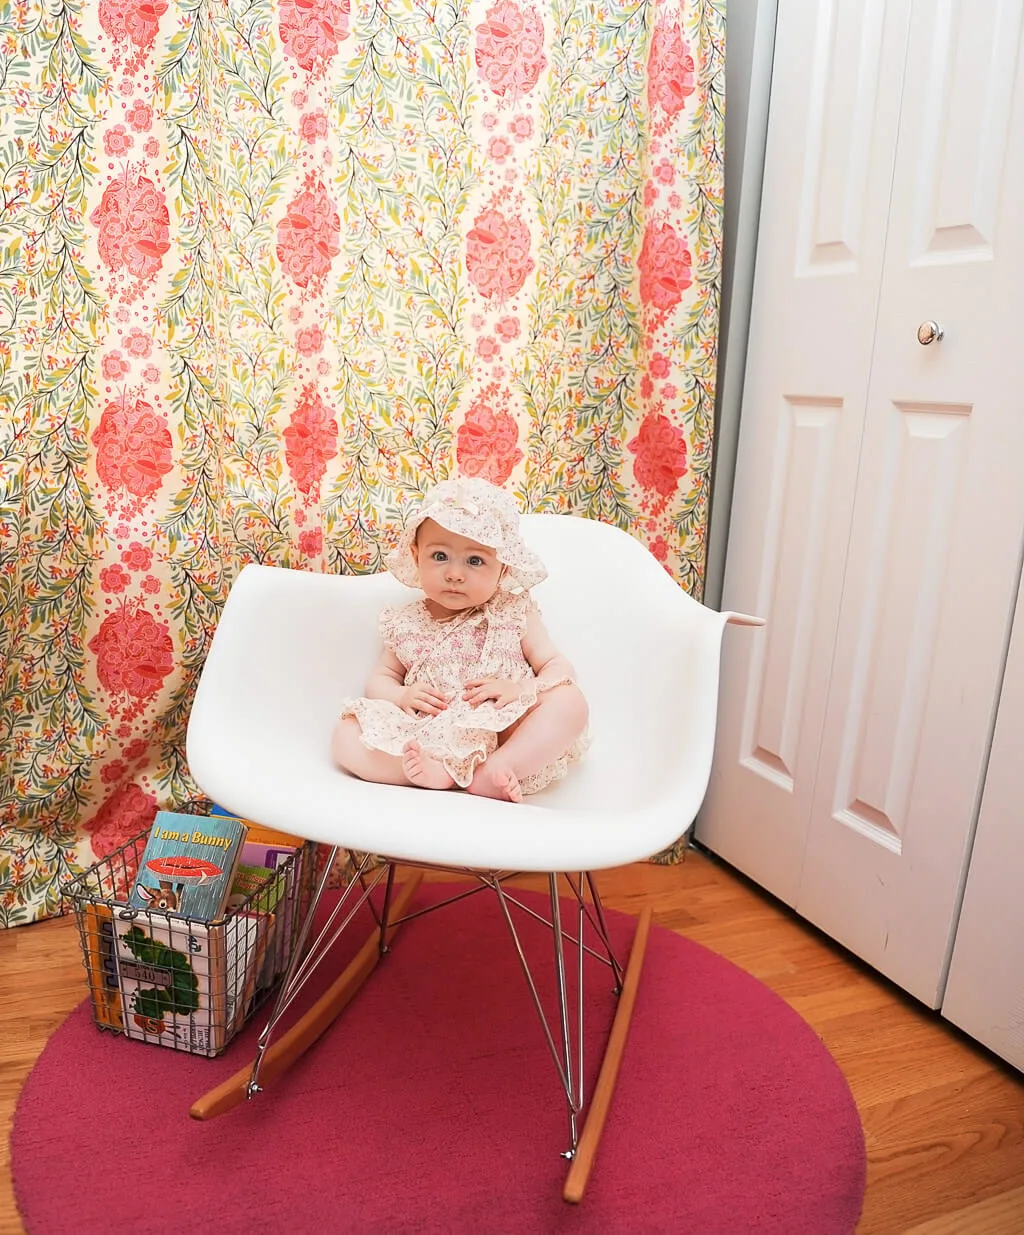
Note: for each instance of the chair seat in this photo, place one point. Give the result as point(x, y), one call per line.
point(592, 820)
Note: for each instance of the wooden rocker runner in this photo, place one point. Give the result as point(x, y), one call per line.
point(291, 645)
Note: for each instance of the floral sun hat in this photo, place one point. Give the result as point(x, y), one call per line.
point(471, 507)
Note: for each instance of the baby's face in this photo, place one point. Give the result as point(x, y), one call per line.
point(455, 573)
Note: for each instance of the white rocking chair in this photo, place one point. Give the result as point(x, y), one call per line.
point(291, 645)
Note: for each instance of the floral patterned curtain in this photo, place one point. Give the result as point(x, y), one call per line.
point(268, 268)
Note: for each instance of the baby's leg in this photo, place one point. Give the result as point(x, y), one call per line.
point(353, 757)
point(544, 733)
point(412, 767)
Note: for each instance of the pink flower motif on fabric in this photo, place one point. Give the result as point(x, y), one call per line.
point(307, 236)
point(487, 443)
point(138, 343)
point(499, 149)
point(498, 254)
point(113, 772)
point(114, 366)
point(117, 140)
point(123, 815)
point(660, 449)
point(133, 446)
point(510, 48)
point(309, 340)
point(313, 125)
point(311, 31)
point(666, 267)
point(310, 440)
point(521, 127)
point(134, 652)
point(114, 578)
point(134, 226)
point(659, 547)
point(670, 72)
point(140, 116)
point(137, 556)
point(507, 328)
point(136, 21)
point(311, 543)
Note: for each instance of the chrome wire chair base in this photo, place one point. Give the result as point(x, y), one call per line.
point(275, 1054)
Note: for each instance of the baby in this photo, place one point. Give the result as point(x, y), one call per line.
point(469, 691)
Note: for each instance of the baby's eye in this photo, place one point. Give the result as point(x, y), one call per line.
point(476, 560)
point(439, 555)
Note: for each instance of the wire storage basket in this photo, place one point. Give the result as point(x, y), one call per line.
point(160, 977)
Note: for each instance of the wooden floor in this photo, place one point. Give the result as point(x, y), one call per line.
point(943, 1119)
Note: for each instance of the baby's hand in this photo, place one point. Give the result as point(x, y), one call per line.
point(500, 691)
point(421, 700)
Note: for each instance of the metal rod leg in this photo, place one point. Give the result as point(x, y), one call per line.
point(383, 946)
point(563, 1007)
point(603, 932)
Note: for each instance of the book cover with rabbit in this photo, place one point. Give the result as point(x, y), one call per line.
point(188, 865)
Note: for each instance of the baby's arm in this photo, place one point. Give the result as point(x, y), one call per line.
point(543, 657)
point(387, 681)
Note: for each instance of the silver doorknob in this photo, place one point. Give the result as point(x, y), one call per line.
point(929, 332)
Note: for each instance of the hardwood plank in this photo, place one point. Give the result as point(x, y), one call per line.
point(943, 1118)
point(999, 1215)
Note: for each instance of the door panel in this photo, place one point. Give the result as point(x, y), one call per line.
point(934, 554)
point(828, 174)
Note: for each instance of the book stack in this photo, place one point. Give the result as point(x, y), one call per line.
point(213, 912)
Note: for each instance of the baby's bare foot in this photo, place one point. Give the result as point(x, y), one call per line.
point(496, 782)
point(424, 770)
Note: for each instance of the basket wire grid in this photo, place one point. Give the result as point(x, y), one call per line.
point(161, 977)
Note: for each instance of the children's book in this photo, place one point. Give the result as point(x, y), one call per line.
point(188, 985)
point(188, 865)
point(258, 883)
point(253, 933)
point(97, 926)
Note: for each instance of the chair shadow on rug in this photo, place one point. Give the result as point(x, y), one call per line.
point(291, 645)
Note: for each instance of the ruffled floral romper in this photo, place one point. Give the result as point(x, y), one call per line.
point(444, 654)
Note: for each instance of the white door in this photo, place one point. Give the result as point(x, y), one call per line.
point(878, 517)
point(828, 171)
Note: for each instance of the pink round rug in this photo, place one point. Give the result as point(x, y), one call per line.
point(432, 1105)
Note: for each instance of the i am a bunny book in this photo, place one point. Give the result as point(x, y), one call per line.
point(188, 865)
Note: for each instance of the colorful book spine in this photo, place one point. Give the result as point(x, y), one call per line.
point(100, 951)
